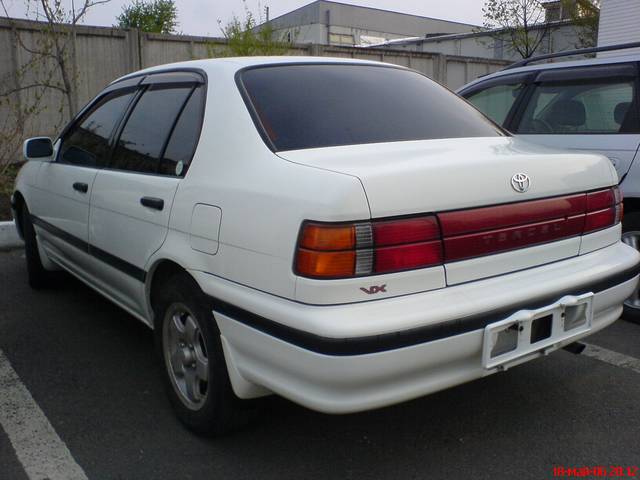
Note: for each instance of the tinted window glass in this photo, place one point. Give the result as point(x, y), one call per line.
point(496, 102)
point(147, 129)
point(581, 108)
point(184, 137)
point(307, 106)
point(87, 143)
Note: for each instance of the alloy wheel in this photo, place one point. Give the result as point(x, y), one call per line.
point(185, 356)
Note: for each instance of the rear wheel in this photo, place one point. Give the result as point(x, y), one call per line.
point(194, 367)
point(38, 277)
point(631, 236)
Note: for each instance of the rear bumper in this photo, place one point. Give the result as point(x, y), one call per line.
point(328, 358)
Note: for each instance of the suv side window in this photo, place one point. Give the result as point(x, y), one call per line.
point(87, 142)
point(144, 136)
point(496, 102)
point(581, 107)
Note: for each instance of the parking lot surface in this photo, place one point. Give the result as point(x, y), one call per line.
point(91, 370)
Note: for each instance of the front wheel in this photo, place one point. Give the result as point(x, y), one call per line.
point(631, 236)
point(194, 367)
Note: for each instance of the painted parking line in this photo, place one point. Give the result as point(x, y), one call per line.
point(39, 449)
point(612, 358)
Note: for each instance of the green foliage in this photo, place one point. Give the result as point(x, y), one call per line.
point(585, 15)
point(246, 37)
point(520, 23)
point(8, 177)
point(155, 16)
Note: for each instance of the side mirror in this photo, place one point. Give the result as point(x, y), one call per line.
point(38, 148)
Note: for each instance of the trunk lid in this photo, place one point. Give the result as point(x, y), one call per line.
point(435, 176)
point(438, 175)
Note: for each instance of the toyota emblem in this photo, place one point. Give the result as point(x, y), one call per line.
point(520, 182)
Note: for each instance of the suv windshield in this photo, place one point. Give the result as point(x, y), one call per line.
point(322, 105)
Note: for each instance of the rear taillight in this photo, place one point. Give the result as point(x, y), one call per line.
point(604, 209)
point(368, 248)
point(345, 250)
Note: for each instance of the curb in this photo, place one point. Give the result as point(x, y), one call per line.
point(9, 236)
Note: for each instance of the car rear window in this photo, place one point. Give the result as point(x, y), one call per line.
point(321, 105)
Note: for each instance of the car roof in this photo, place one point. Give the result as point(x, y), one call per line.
point(555, 65)
point(233, 64)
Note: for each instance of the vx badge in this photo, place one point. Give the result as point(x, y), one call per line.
point(375, 289)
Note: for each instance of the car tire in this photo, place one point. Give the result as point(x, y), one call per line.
point(189, 345)
point(37, 276)
point(631, 236)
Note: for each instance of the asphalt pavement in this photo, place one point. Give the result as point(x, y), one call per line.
point(91, 369)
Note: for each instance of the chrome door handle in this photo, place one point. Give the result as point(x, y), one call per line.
point(152, 202)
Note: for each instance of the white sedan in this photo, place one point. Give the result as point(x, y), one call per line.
point(346, 234)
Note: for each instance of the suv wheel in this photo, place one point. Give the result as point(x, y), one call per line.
point(194, 367)
point(631, 236)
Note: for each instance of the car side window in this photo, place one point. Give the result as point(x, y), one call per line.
point(144, 136)
point(87, 142)
point(496, 102)
point(184, 138)
point(581, 108)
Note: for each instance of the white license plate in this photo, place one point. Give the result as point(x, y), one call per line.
point(530, 331)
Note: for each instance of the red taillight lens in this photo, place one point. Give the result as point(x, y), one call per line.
point(367, 248)
point(600, 219)
point(411, 230)
point(604, 209)
point(500, 216)
point(495, 241)
point(407, 257)
point(328, 250)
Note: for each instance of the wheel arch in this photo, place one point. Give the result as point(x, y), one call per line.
point(161, 270)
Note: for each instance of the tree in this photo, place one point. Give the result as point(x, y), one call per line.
point(248, 36)
point(518, 23)
point(50, 66)
point(585, 16)
point(155, 16)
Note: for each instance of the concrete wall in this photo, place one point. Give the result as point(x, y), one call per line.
point(558, 38)
point(619, 23)
point(104, 54)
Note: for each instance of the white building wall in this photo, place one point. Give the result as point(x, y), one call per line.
point(619, 23)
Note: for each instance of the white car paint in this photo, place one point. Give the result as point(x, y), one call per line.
point(233, 223)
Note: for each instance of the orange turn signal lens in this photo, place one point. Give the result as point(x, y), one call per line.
point(318, 236)
point(325, 264)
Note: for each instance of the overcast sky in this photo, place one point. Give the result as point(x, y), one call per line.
point(200, 17)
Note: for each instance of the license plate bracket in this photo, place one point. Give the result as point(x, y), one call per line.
point(530, 331)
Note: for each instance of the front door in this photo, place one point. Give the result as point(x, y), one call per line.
point(60, 207)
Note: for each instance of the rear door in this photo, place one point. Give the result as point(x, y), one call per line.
point(132, 198)
point(593, 109)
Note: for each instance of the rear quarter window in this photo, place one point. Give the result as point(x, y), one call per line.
point(321, 105)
